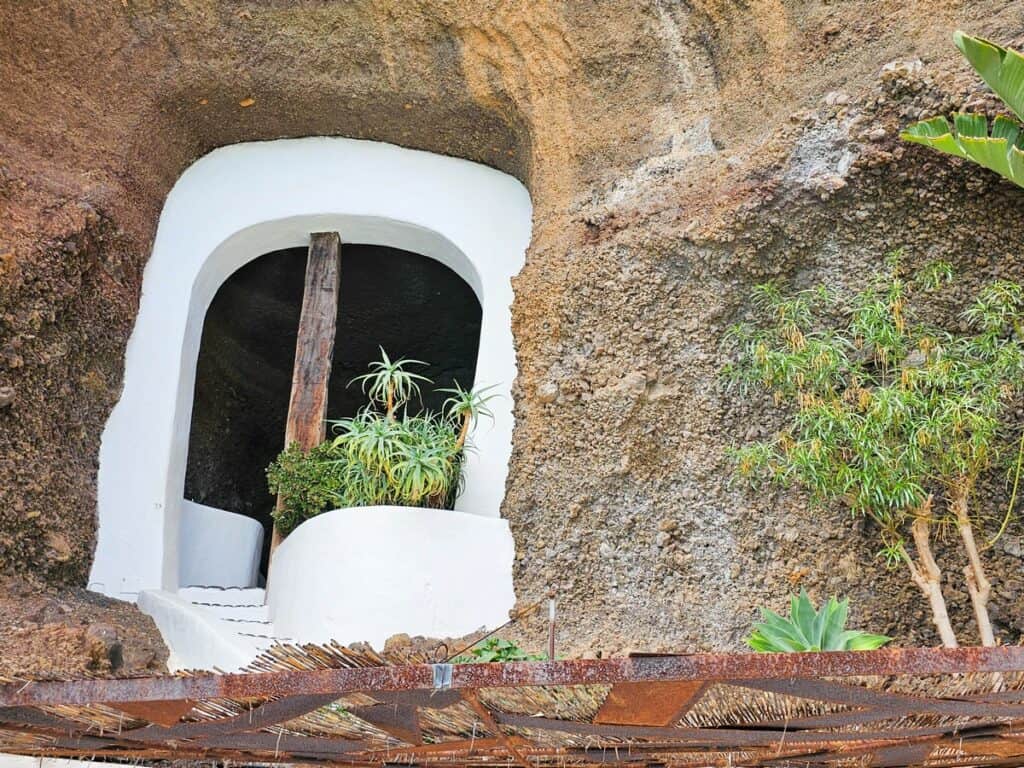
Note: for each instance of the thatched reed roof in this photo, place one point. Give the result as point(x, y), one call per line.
point(901, 707)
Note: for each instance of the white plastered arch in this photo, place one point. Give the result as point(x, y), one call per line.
point(238, 203)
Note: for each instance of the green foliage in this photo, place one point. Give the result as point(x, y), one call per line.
point(306, 482)
point(808, 629)
point(388, 384)
point(998, 146)
point(885, 410)
point(380, 457)
point(466, 407)
point(411, 461)
point(494, 649)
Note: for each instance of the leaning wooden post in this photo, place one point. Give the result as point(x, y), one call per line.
point(314, 349)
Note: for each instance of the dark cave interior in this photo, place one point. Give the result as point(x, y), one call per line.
point(411, 305)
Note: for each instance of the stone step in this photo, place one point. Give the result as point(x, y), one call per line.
point(224, 596)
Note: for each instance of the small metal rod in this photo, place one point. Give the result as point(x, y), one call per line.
point(551, 627)
point(513, 618)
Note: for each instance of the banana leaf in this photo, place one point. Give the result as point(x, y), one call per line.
point(1000, 150)
point(1002, 69)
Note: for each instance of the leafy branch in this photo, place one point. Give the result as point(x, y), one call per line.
point(886, 412)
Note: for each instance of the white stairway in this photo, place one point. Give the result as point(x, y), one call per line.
point(211, 627)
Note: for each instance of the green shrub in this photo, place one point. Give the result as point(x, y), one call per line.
point(887, 414)
point(496, 650)
point(807, 629)
point(383, 455)
point(307, 484)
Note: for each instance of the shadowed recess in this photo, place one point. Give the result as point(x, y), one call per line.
point(410, 305)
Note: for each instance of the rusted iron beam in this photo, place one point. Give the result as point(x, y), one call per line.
point(401, 722)
point(284, 746)
point(896, 750)
point(716, 737)
point(160, 712)
point(884, 703)
point(696, 667)
point(273, 712)
point(463, 747)
point(487, 718)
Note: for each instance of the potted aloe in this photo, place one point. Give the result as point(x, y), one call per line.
point(384, 455)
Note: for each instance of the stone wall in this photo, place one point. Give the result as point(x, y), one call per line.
point(676, 153)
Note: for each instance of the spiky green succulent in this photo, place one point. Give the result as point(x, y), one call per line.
point(810, 629)
point(383, 455)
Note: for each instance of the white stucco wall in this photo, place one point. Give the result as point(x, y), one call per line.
point(238, 203)
point(366, 574)
point(218, 548)
point(20, 761)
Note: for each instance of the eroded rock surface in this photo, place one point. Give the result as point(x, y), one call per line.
point(676, 153)
point(62, 632)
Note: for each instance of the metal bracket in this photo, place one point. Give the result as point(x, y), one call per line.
point(442, 676)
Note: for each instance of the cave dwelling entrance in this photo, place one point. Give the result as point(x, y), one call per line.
point(428, 247)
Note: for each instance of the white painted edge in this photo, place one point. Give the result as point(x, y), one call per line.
point(22, 761)
point(238, 203)
point(196, 638)
point(218, 548)
point(365, 574)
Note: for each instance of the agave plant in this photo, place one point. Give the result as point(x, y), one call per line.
point(999, 146)
point(810, 629)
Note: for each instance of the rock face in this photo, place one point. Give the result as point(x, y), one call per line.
point(49, 631)
point(676, 153)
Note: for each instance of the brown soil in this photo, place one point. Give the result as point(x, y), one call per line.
point(48, 632)
point(676, 153)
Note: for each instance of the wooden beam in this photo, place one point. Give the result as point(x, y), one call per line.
point(314, 348)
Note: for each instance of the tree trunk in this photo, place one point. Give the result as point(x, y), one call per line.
point(926, 574)
point(463, 432)
point(978, 585)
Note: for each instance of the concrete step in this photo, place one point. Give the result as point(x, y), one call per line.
point(224, 596)
point(206, 627)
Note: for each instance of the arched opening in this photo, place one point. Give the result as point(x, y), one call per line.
point(226, 210)
point(411, 305)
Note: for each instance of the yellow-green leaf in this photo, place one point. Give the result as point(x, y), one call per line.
point(1001, 68)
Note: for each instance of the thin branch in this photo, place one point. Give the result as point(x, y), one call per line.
point(978, 585)
point(928, 577)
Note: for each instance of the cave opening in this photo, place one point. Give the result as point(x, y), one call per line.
point(411, 305)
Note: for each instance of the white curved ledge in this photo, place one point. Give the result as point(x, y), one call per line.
point(238, 203)
point(218, 548)
point(196, 638)
point(367, 573)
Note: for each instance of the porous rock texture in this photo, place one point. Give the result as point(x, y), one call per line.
point(59, 631)
point(677, 153)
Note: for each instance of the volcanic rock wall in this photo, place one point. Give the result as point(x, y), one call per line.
point(676, 152)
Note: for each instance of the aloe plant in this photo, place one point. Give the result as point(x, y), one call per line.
point(810, 629)
point(466, 406)
point(389, 383)
point(998, 146)
point(383, 455)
